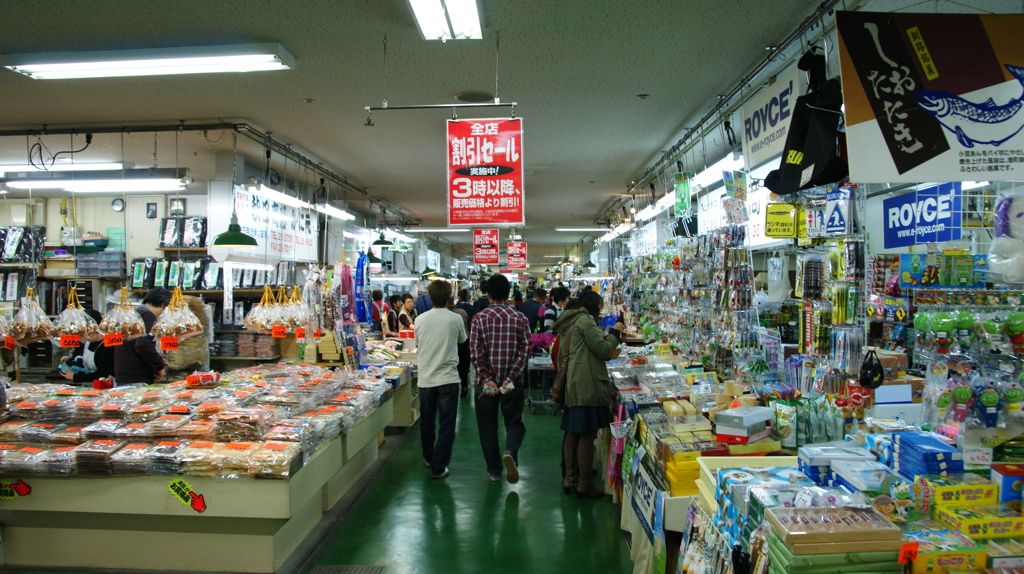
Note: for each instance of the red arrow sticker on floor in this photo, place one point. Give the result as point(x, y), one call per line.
point(9, 490)
point(186, 495)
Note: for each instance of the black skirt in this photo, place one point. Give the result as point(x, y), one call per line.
point(579, 420)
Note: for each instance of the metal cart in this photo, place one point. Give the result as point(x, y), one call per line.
point(538, 365)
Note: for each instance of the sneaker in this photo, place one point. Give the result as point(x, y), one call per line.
point(442, 475)
point(511, 469)
point(494, 477)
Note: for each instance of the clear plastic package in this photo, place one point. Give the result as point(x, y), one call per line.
point(123, 319)
point(273, 460)
point(31, 324)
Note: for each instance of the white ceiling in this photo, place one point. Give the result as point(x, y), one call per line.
point(575, 67)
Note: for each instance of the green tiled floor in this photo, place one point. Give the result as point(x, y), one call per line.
point(465, 524)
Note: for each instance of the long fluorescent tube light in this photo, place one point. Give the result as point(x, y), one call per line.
point(582, 229)
point(278, 197)
point(28, 168)
point(713, 174)
point(398, 236)
point(438, 230)
point(351, 235)
point(150, 61)
point(331, 211)
point(116, 181)
point(447, 19)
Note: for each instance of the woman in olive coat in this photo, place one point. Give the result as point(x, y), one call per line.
point(588, 391)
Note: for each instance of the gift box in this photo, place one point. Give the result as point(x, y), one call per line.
point(981, 522)
point(933, 492)
point(1008, 478)
point(944, 551)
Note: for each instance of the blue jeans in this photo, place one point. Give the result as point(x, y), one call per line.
point(511, 407)
point(441, 402)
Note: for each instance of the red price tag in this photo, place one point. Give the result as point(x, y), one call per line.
point(300, 332)
point(66, 392)
point(279, 332)
point(908, 553)
point(178, 409)
point(168, 343)
point(318, 334)
point(67, 341)
point(113, 339)
point(9, 343)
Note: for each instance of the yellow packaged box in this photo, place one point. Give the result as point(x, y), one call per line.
point(980, 522)
point(673, 409)
point(945, 551)
point(690, 476)
point(934, 491)
point(691, 466)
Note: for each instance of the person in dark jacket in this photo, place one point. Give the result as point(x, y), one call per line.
point(423, 304)
point(138, 361)
point(531, 308)
point(90, 361)
point(481, 303)
point(587, 390)
point(464, 303)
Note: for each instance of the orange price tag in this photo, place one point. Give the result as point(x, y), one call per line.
point(241, 394)
point(136, 446)
point(300, 332)
point(169, 443)
point(201, 445)
point(66, 392)
point(318, 334)
point(908, 553)
point(26, 405)
point(136, 426)
point(43, 426)
point(85, 404)
point(67, 341)
point(7, 447)
point(170, 417)
point(279, 332)
point(117, 394)
point(275, 446)
point(31, 449)
point(168, 343)
point(51, 403)
point(10, 343)
point(113, 339)
point(261, 384)
point(178, 409)
point(150, 395)
point(192, 380)
point(113, 406)
point(143, 408)
point(185, 395)
point(64, 448)
point(91, 393)
point(73, 429)
point(105, 442)
point(208, 406)
point(239, 445)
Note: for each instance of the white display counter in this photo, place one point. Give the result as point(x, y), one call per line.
point(249, 525)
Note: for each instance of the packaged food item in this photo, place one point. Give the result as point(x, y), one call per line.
point(61, 460)
point(131, 459)
point(200, 458)
point(166, 425)
point(177, 320)
point(73, 322)
point(274, 460)
point(165, 457)
point(93, 457)
point(103, 428)
point(234, 459)
point(241, 424)
point(31, 324)
point(942, 550)
point(71, 435)
point(30, 459)
point(831, 525)
point(123, 319)
point(982, 522)
point(933, 492)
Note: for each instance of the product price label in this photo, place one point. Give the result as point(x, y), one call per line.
point(978, 455)
point(168, 343)
point(9, 343)
point(70, 341)
point(318, 334)
point(113, 339)
point(300, 333)
point(279, 332)
point(908, 553)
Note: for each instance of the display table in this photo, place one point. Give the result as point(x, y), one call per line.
point(136, 522)
point(407, 405)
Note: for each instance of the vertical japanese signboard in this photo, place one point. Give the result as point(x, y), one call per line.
point(517, 255)
point(485, 247)
point(933, 97)
point(485, 172)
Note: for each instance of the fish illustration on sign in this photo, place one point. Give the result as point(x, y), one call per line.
point(974, 123)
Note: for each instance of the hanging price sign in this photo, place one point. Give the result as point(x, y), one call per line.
point(70, 341)
point(300, 333)
point(318, 334)
point(113, 339)
point(9, 343)
point(279, 332)
point(168, 343)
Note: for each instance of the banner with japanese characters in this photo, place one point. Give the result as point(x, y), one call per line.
point(485, 172)
point(485, 247)
point(283, 232)
point(517, 255)
point(933, 97)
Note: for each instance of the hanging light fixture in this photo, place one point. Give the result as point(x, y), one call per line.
point(234, 237)
point(374, 259)
point(383, 242)
point(589, 265)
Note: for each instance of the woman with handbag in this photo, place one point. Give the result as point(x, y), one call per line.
point(583, 386)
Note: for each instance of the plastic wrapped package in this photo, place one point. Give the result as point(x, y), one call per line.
point(196, 429)
point(200, 458)
point(29, 409)
point(71, 435)
point(177, 320)
point(165, 457)
point(40, 433)
point(116, 408)
point(262, 317)
point(61, 460)
point(132, 459)
point(9, 430)
point(1006, 255)
point(273, 460)
point(56, 410)
point(234, 459)
point(24, 460)
point(143, 413)
point(132, 431)
point(123, 319)
point(166, 425)
point(87, 411)
point(202, 380)
point(103, 428)
point(31, 324)
point(210, 408)
point(73, 321)
point(242, 424)
point(93, 457)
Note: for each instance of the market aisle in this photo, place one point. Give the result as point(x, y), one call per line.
point(465, 524)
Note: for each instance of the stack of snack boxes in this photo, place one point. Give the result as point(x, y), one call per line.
point(843, 539)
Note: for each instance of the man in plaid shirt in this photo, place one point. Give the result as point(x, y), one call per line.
point(499, 341)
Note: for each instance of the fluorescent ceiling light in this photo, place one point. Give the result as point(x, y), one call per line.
point(60, 166)
point(554, 256)
point(398, 236)
point(438, 230)
point(582, 229)
point(619, 230)
point(713, 174)
point(447, 19)
point(150, 61)
point(969, 185)
point(336, 213)
point(351, 235)
point(113, 181)
point(277, 197)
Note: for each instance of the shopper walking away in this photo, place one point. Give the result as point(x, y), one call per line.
point(465, 305)
point(407, 314)
point(553, 310)
point(380, 310)
point(422, 304)
point(481, 302)
point(531, 308)
point(138, 361)
point(392, 325)
point(588, 391)
point(498, 345)
point(438, 333)
point(463, 351)
point(89, 361)
point(517, 296)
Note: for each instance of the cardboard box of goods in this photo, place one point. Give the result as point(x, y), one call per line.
point(945, 550)
point(709, 466)
point(673, 408)
point(1008, 477)
point(744, 416)
point(831, 525)
point(1007, 553)
point(748, 430)
point(933, 492)
point(895, 364)
point(683, 466)
point(760, 447)
point(981, 522)
point(689, 476)
point(736, 439)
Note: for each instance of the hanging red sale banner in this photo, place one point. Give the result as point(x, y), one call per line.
point(517, 255)
point(485, 246)
point(485, 172)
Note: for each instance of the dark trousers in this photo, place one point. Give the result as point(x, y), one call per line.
point(441, 402)
point(464, 365)
point(511, 408)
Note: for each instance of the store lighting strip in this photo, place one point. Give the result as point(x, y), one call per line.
point(102, 181)
point(277, 197)
point(438, 230)
point(336, 213)
point(580, 229)
point(401, 237)
point(28, 168)
point(150, 61)
point(447, 19)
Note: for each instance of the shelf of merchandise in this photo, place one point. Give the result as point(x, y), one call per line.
point(407, 405)
point(247, 526)
point(210, 291)
point(182, 249)
point(272, 358)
